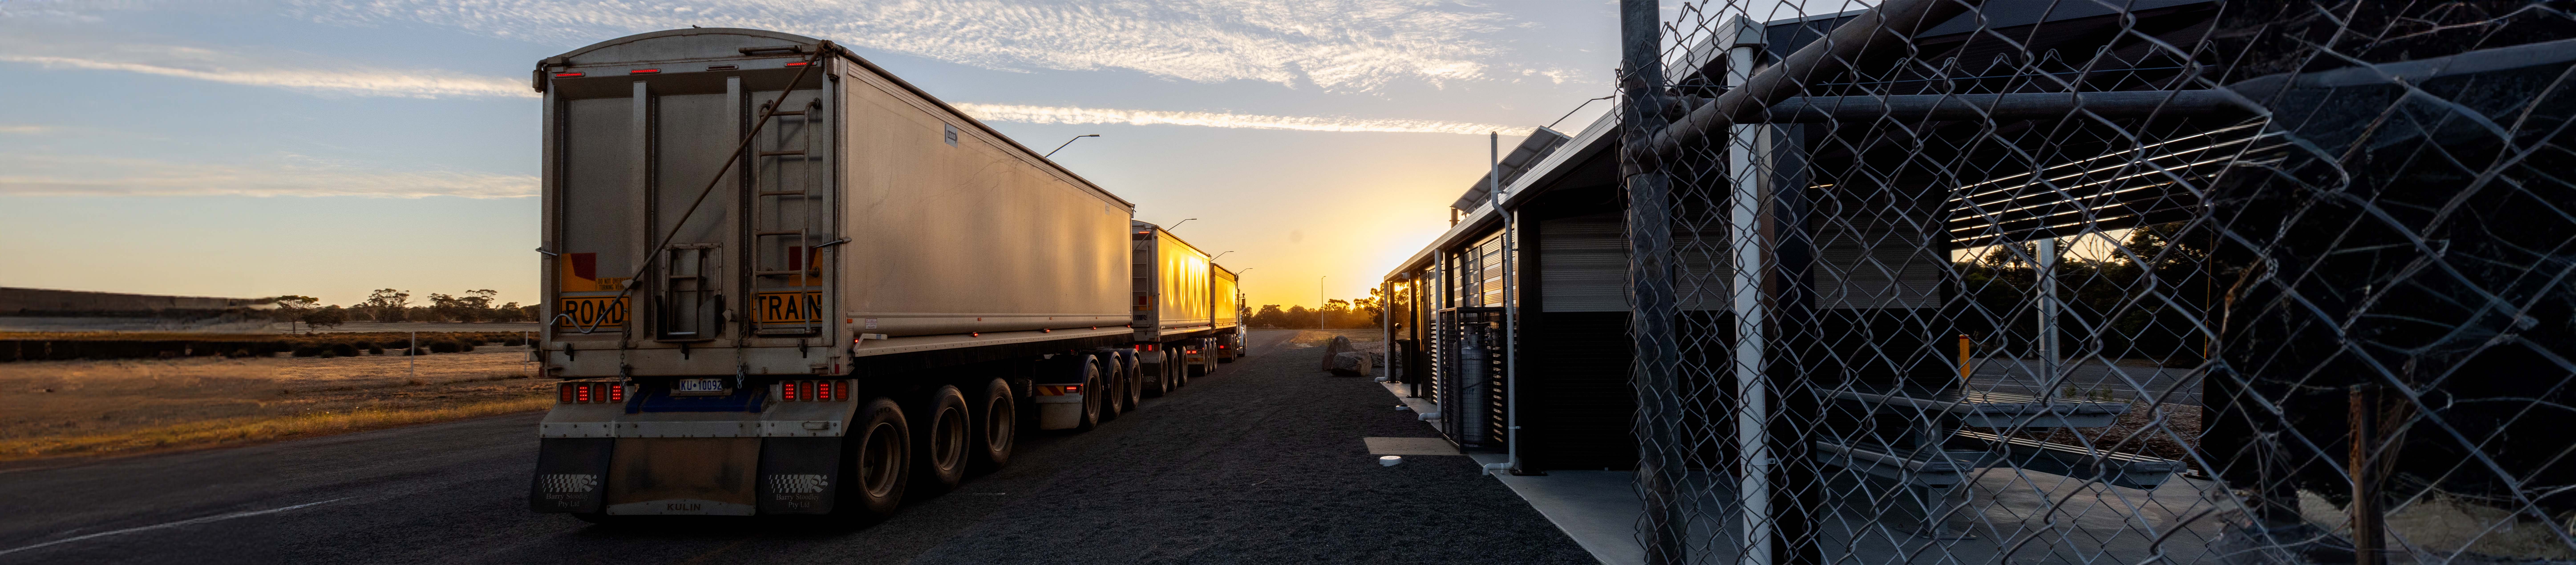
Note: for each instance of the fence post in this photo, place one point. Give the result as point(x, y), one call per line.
point(1651, 301)
point(2366, 521)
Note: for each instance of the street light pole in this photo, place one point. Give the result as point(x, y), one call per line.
point(1177, 225)
point(1218, 256)
point(1051, 152)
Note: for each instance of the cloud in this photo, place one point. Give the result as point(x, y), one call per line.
point(25, 129)
point(1076, 115)
point(277, 70)
point(285, 175)
point(1342, 46)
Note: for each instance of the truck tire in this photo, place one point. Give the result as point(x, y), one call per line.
point(1155, 384)
point(1091, 398)
point(1172, 369)
point(997, 427)
point(877, 464)
point(942, 440)
point(1114, 382)
point(1135, 377)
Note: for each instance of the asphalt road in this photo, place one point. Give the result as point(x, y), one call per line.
point(1262, 462)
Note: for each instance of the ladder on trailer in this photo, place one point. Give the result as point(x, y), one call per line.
point(787, 215)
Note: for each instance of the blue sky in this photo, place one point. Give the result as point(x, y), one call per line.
point(326, 148)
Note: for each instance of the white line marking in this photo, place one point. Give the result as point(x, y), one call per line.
point(190, 521)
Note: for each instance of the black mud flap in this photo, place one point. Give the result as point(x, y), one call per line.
point(571, 473)
point(799, 475)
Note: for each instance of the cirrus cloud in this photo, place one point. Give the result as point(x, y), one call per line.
point(1337, 45)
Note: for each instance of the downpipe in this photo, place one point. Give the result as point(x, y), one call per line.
point(1752, 444)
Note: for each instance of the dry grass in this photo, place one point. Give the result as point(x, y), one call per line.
point(1317, 338)
point(255, 429)
point(72, 408)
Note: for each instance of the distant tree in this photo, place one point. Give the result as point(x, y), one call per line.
point(291, 307)
point(1299, 317)
point(510, 312)
point(1337, 313)
point(326, 317)
point(1270, 316)
point(386, 305)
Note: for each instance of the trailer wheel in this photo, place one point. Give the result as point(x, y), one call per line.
point(1172, 369)
point(1112, 381)
point(997, 427)
point(877, 464)
point(1155, 384)
point(1091, 398)
point(946, 432)
point(1135, 377)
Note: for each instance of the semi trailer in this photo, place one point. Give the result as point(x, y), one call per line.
point(781, 280)
point(1186, 308)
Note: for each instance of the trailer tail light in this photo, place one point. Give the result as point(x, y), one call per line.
point(813, 391)
point(589, 392)
point(1073, 389)
point(643, 71)
point(567, 75)
point(1149, 347)
point(800, 63)
point(1058, 390)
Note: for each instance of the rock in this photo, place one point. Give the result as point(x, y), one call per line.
point(1352, 364)
point(1339, 345)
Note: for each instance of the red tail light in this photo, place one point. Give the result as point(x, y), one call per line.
point(842, 393)
point(799, 64)
point(643, 71)
point(616, 392)
point(787, 390)
point(581, 393)
point(563, 394)
point(1073, 389)
point(566, 75)
point(824, 393)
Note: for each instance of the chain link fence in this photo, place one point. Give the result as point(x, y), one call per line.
point(2103, 281)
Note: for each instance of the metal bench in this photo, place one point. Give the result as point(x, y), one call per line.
point(1925, 478)
point(2117, 469)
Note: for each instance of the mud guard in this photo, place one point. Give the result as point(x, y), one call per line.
point(799, 475)
point(569, 476)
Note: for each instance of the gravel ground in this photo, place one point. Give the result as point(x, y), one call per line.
point(1261, 463)
point(1264, 463)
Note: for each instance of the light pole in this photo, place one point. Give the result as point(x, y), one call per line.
point(1221, 256)
point(1177, 225)
point(1051, 152)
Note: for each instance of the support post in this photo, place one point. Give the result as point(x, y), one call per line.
point(1651, 302)
point(1745, 148)
point(1511, 304)
point(2367, 524)
point(2046, 279)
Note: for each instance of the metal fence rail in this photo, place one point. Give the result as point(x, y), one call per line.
point(2103, 281)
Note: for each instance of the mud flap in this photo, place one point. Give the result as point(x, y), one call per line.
point(569, 473)
point(799, 475)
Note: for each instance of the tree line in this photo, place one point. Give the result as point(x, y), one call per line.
point(1336, 313)
point(395, 305)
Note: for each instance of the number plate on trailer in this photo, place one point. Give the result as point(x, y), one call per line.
point(699, 386)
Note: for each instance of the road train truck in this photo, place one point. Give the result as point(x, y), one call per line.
point(781, 280)
point(1187, 309)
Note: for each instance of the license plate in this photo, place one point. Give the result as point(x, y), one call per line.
point(716, 386)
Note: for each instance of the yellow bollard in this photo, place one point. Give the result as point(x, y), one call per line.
point(1963, 360)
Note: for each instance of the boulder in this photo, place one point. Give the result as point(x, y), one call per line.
point(1353, 363)
point(1339, 345)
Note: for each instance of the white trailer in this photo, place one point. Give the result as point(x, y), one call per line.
point(783, 281)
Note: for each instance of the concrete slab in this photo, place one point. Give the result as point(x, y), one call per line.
point(1599, 509)
point(1410, 446)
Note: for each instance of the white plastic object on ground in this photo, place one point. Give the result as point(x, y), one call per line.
point(1389, 460)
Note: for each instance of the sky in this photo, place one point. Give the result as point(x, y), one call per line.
point(326, 148)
